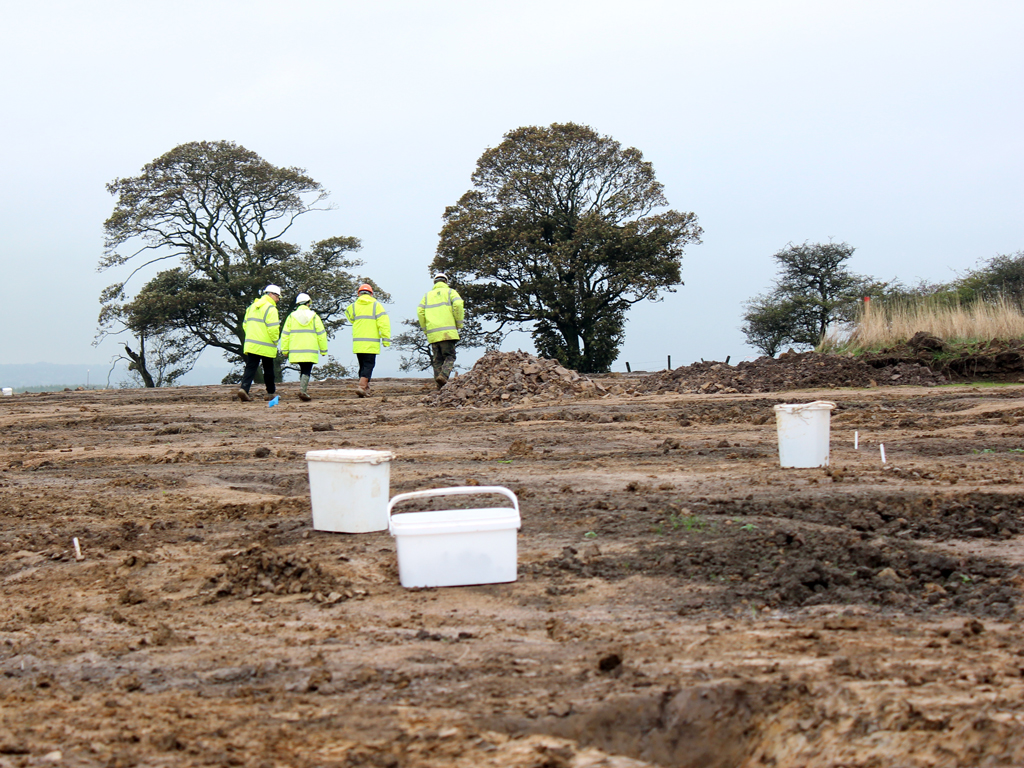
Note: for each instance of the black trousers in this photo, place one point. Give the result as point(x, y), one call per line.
point(366, 362)
point(252, 362)
point(305, 368)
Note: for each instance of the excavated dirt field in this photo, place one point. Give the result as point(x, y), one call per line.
point(680, 601)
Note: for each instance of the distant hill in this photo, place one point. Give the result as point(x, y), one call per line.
point(94, 376)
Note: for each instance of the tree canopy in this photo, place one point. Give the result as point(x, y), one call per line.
point(813, 290)
point(560, 234)
point(1000, 277)
point(218, 211)
point(768, 323)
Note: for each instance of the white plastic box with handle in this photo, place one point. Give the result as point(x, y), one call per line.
point(455, 547)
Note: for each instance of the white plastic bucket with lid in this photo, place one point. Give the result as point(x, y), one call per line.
point(804, 433)
point(349, 489)
point(455, 547)
point(8, 391)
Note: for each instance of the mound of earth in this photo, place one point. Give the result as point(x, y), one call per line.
point(994, 360)
point(790, 370)
point(502, 378)
point(506, 378)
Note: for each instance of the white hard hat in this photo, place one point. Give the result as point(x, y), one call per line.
point(440, 276)
point(302, 298)
point(272, 289)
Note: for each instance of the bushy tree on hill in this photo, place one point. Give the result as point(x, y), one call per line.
point(560, 235)
point(218, 212)
point(768, 323)
point(999, 277)
point(814, 289)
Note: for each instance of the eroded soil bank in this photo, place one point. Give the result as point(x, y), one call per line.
point(680, 601)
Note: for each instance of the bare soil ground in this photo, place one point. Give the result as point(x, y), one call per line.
point(680, 601)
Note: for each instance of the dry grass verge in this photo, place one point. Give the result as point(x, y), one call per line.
point(881, 325)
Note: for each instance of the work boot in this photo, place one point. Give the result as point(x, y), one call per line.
point(362, 388)
point(242, 395)
point(441, 379)
point(303, 385)
point(269, 396)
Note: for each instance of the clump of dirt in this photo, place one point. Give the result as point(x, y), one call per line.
point(503, 378)
point(790, 370)
point(258, 570)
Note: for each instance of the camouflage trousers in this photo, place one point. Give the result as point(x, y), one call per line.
point(442, 357)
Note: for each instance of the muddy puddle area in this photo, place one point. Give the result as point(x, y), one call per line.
point(680, 601)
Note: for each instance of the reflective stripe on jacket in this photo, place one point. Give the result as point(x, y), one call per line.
point(370, 325)
point(441, 313)
point(304, 338)
point(262, 327)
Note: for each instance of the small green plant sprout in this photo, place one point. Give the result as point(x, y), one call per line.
point(589, 535)
point(983, 450)
point(693, 523)
point(748, 527)
point(658, 529)
point(965, 578)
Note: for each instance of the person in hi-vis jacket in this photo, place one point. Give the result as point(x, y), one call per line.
point(441, 314)
point(303, 340)
point(262, 328)
point(371, 328)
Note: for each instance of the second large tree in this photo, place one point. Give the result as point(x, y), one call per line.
point(563, 231)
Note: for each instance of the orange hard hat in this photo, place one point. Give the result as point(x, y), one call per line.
point(365, 288)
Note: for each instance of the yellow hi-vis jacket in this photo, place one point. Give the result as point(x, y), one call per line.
point(304, 338)
point(371, 325)
point(441, 313)
point(262, 327)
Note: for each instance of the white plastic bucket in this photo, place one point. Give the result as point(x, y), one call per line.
point(803, 433)
point(349, 489)
point(455, 547)
point(8, 391)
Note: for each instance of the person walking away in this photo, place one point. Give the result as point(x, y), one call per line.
point(371, 327)
point(441, 314)
point(304, 339)
point(262, 328)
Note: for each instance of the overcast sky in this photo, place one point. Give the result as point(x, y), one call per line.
point(896, 126)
